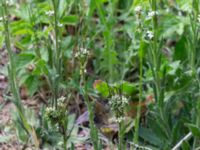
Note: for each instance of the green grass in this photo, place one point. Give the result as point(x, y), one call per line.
point(146, 51)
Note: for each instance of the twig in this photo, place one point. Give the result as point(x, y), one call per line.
point(188, 136)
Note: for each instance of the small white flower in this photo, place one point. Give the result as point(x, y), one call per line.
point(138, 9)
point(84, 51)
point(1, 18)
point(81, 53)
point(62, 99)
point(60, 25)
point(124, 100)
point(49, 110)
point(151, 14)
point(120, 119)
point(50, 13)
point(150, 34)
point(77, 54)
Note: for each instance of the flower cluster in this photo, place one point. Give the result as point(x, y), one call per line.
point(138, 10)
point(82, 53)
point(61, 101)
point(118, 104)
point(150, 35)
point(49, 13)
point(56, 114)
point(118, 119)
point(151, 14)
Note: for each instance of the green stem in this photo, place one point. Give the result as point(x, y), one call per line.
point(194, 45)
point(137, 121)
point(120, 135)
point(11, 66)
point(64, 141)
point(57, 63)
point(93, 129)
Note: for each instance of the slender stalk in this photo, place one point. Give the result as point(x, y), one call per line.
point(11, 66)
point(120, 135)
point(64, 142)
point(137, 121)
point(93, 129)
point(36, 39)
point(156, 57)
point(58, 54)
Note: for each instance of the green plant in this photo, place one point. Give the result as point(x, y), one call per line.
point(21, 118)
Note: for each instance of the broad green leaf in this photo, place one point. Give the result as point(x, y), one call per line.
point(23, 59)
point(149, 136)
point(21, 27)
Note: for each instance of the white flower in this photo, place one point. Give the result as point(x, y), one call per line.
point(82, 53)
point(117, 119)
point(1, 18)
point(62, 99)
point(150, 34)
point(77, 54)
point(49, 110)
point(124, 100)
point(60, 25)
point(138, 9)
point(118, 103)
point(151, 14)
point(50, 13)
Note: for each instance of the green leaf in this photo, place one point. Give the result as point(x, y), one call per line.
point(149, 136)
point(194, 129)
point(186, 146)
point(127, 87)
point(180, 52)
point(174, 66)
point(21, 27)
point(70, 20)
point(32, 84)
point(102, 88)
point(24, 59)
point(40, 68)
